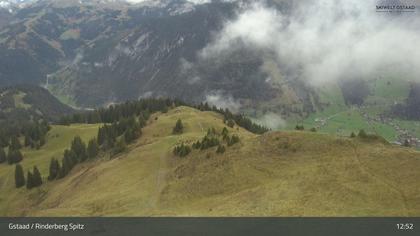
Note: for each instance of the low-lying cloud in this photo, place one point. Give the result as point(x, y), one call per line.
point(324, 40)
point(221, 100)
point(191, 1)
point(271, 120)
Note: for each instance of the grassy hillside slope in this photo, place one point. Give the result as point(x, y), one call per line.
point(275, 174)
point(58, 139)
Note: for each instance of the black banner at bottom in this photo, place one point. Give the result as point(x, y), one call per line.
point(162, 226)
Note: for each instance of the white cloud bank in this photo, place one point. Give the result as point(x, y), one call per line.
point(272, 121)
point(324, 40)
point(191, 1)
point(220, 100)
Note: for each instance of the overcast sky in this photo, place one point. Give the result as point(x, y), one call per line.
point(192, 1)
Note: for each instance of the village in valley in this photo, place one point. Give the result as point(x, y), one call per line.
point(402, 137)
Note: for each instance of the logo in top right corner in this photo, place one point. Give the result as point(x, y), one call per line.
point(396, 6)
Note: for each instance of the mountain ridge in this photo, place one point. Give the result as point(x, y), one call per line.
point(27, 102)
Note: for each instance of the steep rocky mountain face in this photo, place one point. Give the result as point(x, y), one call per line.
point(40, 40)
point(5, 17)
point(142, 55)
point(94, 53)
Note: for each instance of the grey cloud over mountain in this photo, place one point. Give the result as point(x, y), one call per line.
point(326, 40)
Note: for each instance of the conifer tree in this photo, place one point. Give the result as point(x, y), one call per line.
point(79, 148)
point(28, 141)
point(58, 170)
point(299, 127)
point(211, 131)
point(54, 169)
point(121, 146)
point(37, 179)
point(101, 135)
point(234, 139)
point(93, 148)
point(67, 164)
point(182, 150)
point(230, 123)
point(210, 140)
point(61, 171)
point(179, 127)
point(42, 141)
point(220, 149)
point(71, 157)
point(225, 132)
point(129, 135)
point(15, 143)
point(196, 145)
point(29, 180)
point(19, 176)
point(14, 156)
point(3, 156)
point(362, 134)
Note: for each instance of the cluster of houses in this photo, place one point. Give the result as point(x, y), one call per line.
point(408, 140)
point(404, 137)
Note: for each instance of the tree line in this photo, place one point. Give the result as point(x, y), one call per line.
point(12, 157)
point(123, 124)
point(231, 119)
point(33, 179)
point(211, 139)
point(124, 110)
point(113, 137)
point(33, 134)
point(151, 105)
